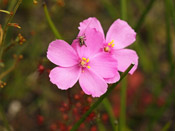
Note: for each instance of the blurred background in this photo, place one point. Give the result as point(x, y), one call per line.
point(30, 102)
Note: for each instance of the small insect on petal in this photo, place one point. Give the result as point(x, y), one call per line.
point(82, 40)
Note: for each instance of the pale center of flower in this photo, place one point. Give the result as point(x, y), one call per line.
point(109, 46)
point(84, 62)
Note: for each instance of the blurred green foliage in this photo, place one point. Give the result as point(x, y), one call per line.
point(28, 83)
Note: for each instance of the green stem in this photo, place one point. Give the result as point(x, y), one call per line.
point(50, 22)
point(143, 15)
point(172, 11)
point(123, 9)
point(6, 27)
point(166, 127)
point(122, 120)
point(75, 127)
point(111, 9)
point(3, 74)
point(109, 110)
point(169, 41)
point(100, 125)
point(6, 124)
point(11, 5)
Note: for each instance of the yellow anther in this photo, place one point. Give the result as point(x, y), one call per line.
point(112, 45)
point(87, 60)
point(83, 58)
point(88, 67)
point(109, 43)
point(112, 41)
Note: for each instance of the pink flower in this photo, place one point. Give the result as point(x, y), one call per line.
point(83, 63)
point(119, 36)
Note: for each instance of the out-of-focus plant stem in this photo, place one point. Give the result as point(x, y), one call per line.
point(122, 118)
point(3, 74)
point(139, 47)
point(100, 125)
point(2, 114)
point(172, 11)
point(143, 15)
point(1, 35)
point(110, 8)
point(5, 29)
point(109, 110)
point(50, 22)
point(168, 12)
point(11, 5)
point(166, 127)
point(123, 5)
point(168, 30)
point(75, 127)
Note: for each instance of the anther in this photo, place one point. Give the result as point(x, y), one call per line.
point(83, 58)
point(88, 67)
point(87, 60)
point(84, 63)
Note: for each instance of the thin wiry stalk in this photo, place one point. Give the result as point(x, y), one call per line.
point(50, 22)
point(5, 29)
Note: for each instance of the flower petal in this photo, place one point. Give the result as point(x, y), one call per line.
point(122, 34)
point(91, 22)
point(104, 65)
point(92, 84)
point(94, 43)
point(62, 54)
point(125, 58)
point(65, 77)
point(113, 79)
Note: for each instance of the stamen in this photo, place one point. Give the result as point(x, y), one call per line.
point(83, 58)
point(87, 60)
point(88, 67)
point(108, 47)
point(84, 62)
